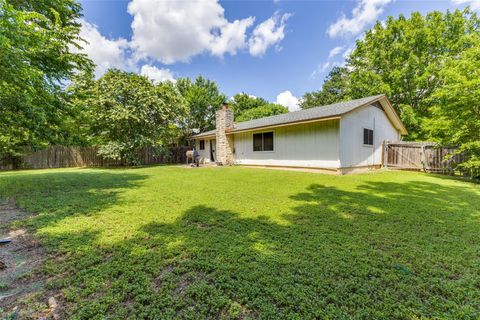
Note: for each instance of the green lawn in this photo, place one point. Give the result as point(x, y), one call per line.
point(170, 242)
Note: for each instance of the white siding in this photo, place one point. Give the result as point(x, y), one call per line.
point(306, 145)
point(352, 152)
point(204, 154)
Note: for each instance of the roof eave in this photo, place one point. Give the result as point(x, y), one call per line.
point(401, 127)
point(333, 117)
point(389, 110)
point(397, 122)
point(201, 137)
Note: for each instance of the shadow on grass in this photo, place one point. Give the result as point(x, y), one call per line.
point(383, 250)
point(56, 195)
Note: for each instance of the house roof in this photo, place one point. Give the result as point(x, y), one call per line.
point(205, 134)
point(316, 113)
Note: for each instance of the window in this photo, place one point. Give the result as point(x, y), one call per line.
point(368, 137)
point(268, 141)
point(263, 141)
point(202, 144)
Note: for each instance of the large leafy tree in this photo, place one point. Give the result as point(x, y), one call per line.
point(67, 10)
point(266, 110)
point(456, 107)
point(79, 96)
point(403, 58)
point(242, 102)
point(203, 99)
point(128, 112)
point(248, 107)
point(35, 57)
point(334, 89)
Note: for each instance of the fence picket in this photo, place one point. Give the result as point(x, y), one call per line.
point(64, 157)
point(422, 156)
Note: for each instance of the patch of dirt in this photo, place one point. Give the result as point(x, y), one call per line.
point(19, 261)
point(158, 281)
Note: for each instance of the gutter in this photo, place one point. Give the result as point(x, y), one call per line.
point(284, 124)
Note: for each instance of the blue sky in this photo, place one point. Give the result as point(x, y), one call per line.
point(274, 49)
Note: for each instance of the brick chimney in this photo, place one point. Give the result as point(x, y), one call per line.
point(224, 122)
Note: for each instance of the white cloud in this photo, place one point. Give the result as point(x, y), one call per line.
point(287, 99)
point(366, 12)
point(321, 68)
point(171, 31)
point(176, 30)
point(347, 52)
point(474, 4)
point(232, 37)
point(106, 53)
point(269, 32)
point(334, 52)
point(156, 74)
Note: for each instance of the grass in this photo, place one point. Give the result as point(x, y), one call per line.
point(169, 242)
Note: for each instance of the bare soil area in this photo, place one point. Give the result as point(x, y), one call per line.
point(20, 282)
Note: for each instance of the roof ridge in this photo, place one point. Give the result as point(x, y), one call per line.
point(352, 100)
point(320, 112)
point(313, 108)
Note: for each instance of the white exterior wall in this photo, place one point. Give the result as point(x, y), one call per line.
point(306, 145)
point(353, 153)
point(204, 154)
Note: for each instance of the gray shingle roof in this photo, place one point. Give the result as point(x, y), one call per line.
point(205, 134)
point(319, 112)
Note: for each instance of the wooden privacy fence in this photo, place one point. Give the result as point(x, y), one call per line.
point(64, 157)
point(422, 156)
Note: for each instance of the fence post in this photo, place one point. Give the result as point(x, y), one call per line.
point(385, 154)
point(422, 155)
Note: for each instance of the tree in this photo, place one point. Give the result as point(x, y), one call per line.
point(333, 90)
point(265, 110)
point(203, 99)
point(456, 107)
point(403, 59)
point(248, 107)
point(80, 96)
point(129, 112)
point(242, 102)
point(67, 10)
point(35, 59)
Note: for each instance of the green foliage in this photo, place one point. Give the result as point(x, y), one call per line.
point(261, 111)
point(243, 102)
point(165, 242)
point(128, 112)
point(456, 108)
point(247, 107)
point(67, 10)
point(402, 58)
point(203, 99)
point(333, 90)
point(79, 96)
point(35, 58)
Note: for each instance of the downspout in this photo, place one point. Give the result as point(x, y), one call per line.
point(374, 141)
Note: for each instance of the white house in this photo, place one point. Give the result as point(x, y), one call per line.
point(342, 137)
